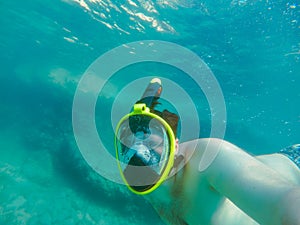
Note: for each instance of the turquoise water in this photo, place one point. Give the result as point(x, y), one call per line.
point(252, 47)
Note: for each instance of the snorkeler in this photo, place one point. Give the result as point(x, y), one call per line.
point(236, 188)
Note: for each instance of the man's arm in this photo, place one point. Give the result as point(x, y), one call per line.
point(251, 185)
point(291, 205)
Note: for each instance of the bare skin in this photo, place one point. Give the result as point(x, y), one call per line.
point(236, 188)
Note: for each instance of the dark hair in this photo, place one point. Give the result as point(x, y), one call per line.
point(171, 118)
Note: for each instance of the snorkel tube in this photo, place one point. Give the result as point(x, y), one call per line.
point(135, 156)
point(152, 92)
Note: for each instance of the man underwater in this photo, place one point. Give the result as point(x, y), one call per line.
point(236, 188)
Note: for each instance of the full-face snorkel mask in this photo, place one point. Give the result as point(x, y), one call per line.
point(145, 143)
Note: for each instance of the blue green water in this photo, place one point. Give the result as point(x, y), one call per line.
point(252, 47)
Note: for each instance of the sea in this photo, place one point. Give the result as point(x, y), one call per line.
point(243, 86)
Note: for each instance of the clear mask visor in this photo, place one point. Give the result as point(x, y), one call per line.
point(149, 143)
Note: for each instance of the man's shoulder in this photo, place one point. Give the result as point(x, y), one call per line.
point(283, 165)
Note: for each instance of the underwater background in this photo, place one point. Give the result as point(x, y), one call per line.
point(252, 47)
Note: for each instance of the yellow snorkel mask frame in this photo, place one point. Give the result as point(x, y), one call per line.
point(143, 110)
